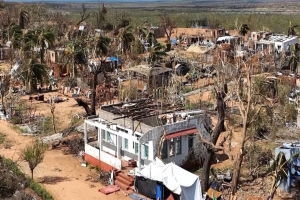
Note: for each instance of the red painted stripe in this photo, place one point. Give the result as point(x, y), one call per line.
point(96, 162)
point(181, 133)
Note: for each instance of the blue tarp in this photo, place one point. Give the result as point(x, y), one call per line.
point(115, 59)
point(173, 41)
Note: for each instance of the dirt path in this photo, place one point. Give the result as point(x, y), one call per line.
point(71, 176)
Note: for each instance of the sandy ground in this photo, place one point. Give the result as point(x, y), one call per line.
point(72, 183)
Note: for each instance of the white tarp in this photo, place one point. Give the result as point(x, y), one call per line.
point(176, 179)
point(14, 69)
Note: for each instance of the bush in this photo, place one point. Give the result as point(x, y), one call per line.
point(16, 120)
point(256, 156)
point(71, 82)
point(2, 138)
point(91, 167)
point(40, 191)
point(290, 112)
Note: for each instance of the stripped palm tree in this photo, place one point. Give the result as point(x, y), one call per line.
point(142, 31)
point(156, 53)
point(23, 18)
point(75, 53)
point(101, 50)
point(30, 40)
point(244, 29)
point(33, 72)
point(45, 38)
point(16, 36)
point(126, 37)
point(102, 46)
point(151, 39)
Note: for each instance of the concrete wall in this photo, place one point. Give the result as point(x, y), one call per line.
point(285, 44)
point(202, 123)
point(117, 140)
point(179, 158)
point(109, 159)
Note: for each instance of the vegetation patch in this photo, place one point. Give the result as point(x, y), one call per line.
point(2, 138)
point(40, 191)
point(13, 180)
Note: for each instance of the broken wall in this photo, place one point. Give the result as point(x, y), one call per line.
point(203, 124)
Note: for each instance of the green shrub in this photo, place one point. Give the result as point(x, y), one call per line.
point(13, 167)
point(16, 120)
point(36, 187)
point(91, 167)
point(71, 82)
point(2, 138)
point(40, 191)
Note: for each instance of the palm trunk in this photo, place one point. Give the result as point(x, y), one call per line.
point(73, 70)
point(29, 82)
point(93, 106)
point(42, 51)
point(31, 174)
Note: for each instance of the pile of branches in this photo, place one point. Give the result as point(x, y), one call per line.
point(75, 144)
point(105, 177)
point(257, 159)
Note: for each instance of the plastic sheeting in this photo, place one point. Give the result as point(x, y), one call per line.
point(176, 179)
point(145, 187)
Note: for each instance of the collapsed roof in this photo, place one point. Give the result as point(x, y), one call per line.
point(149, 71)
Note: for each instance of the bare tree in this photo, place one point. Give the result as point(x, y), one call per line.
point(52, 109)
point(33, 154)
point(211, 147)
point(168, 25)
point(251, 102)
point(84, 14)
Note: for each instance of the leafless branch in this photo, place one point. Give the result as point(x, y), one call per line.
point(215, 148)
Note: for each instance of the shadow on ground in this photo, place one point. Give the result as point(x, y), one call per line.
point(52, 179)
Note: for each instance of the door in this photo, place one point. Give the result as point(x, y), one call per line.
point(159, 192)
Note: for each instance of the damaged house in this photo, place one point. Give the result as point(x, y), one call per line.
point(269, 43)
point(131, 132)
point(57, 60)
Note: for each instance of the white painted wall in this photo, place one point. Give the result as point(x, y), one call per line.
point(285, 44)
point(104, 157)
point(115, 133)
point(179, 158)
point(108, 150)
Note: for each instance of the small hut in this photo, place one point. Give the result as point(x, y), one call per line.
point(153, 76)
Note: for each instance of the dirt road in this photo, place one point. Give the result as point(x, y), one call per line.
point(70, 176)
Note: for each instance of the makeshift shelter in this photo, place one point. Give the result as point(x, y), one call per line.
point(154, 76)
point(173, 177)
